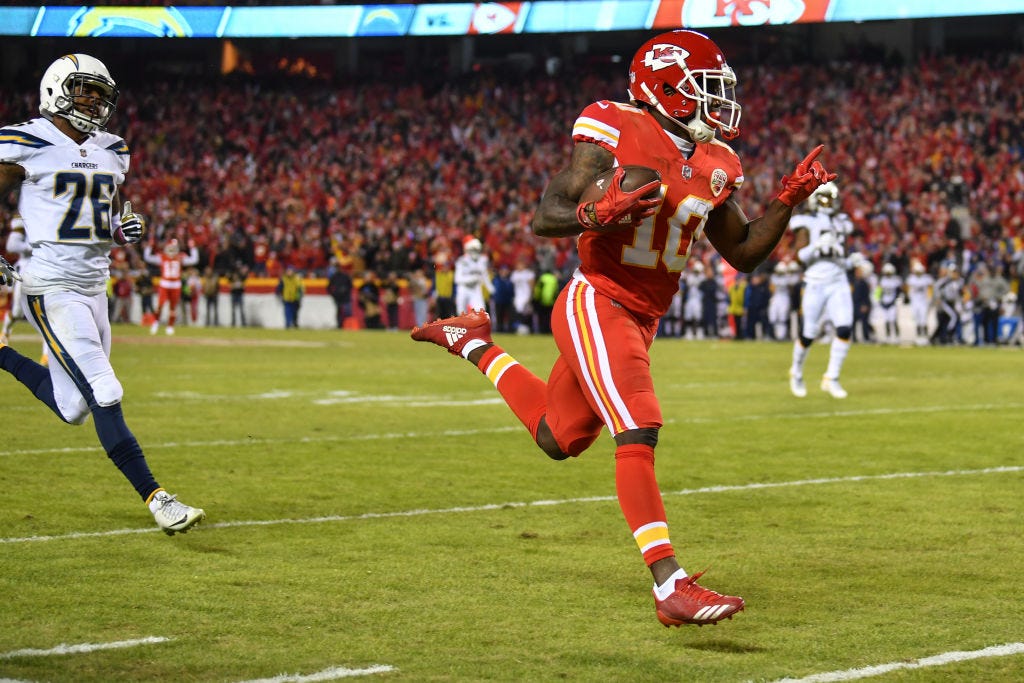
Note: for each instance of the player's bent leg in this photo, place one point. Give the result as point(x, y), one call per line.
point(546, 440)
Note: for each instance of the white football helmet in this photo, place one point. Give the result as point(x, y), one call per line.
point(472, 246)
point(824, 199)
point(74, 76)
point(888, 269)
point(916, 267)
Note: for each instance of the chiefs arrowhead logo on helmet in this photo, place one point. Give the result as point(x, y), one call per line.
point(662, 56)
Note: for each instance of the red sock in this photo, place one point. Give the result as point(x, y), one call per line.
point(640, 501)
point(523, 391)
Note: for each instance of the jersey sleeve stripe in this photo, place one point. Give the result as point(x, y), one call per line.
point(17, 137)
point(592, 129)
point(120, 147)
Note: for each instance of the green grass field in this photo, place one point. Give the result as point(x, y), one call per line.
point(375, 511)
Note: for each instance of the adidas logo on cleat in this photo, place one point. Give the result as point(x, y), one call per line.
point(453, 333)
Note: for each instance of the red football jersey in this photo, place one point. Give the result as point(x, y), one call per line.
point(640, 268)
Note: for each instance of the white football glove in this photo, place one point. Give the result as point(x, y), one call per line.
point(8, 275)
point(132, 228)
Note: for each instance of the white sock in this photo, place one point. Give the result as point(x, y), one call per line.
point(154, 503)
point(666, 589)
point(837, 354)
point(799, 357)
point(472, 345)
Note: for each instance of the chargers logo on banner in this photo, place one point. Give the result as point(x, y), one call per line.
point(495, 17)
point(385, 20)
point(716, 13)
point(129, 22)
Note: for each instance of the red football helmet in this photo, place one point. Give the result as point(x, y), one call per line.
point(684, 76)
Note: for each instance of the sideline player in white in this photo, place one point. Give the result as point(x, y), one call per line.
point(820, 238)
point(890, 288)
point(919, 290)
point(522, 297)
point(471, 275)
point(693, 305)
point(68, 169)
point(780, 305)
point(17, 243)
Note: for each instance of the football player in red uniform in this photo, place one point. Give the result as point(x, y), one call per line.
point(172, 264)
point(632, 249)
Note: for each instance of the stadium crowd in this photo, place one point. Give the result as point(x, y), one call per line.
point(389, 177)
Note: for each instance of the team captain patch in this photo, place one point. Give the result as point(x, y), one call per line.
point(718, 180)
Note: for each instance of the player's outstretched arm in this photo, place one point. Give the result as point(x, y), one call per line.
point(745, 244)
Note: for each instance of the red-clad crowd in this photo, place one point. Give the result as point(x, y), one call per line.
point(383, 177)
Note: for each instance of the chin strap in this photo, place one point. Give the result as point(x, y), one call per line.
point(699, 130)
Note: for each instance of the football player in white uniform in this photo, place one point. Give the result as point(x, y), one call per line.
point(890, 287)
point(17, 243)
point(68, 169)
point(471, 276)
point(919, 290)
point(820, 239)
point(780, 305)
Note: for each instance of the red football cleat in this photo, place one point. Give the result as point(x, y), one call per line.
point(454, 333)
point(691, 603)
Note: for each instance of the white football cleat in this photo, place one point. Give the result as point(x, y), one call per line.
point(154, 327)
point(796, 384)
point(833, 387)
point(169, 330)
point(173, 517)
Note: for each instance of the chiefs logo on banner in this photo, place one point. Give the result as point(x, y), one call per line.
point(718, 13)
point(495, 17)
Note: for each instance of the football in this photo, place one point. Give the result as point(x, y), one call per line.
point(636, 176)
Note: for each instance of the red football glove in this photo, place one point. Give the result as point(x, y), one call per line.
point(806, 178)
point(618, 208)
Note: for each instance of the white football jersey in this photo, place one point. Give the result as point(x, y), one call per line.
point(66, 202)
point(891, 287)
point(780, 285)
point(919, 286)
point(818, 224)
point(471, 271)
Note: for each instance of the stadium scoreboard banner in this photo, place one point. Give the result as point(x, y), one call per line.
point(464, 18)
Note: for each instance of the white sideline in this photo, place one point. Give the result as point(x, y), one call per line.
point(935, 660)
point(536, 503)
point(331, 674)
point(64, 649)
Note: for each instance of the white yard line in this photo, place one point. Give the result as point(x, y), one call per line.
point(936, 660)
point(536, 503)
point(331, 674)
point(449, 433)
point(64, 649)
